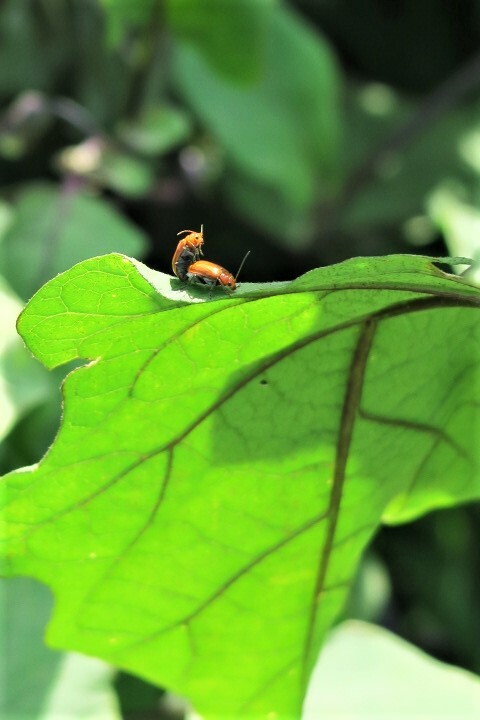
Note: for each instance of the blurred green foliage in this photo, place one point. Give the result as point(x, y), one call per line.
point(307, 132)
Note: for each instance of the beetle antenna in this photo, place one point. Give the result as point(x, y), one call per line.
point(241, 265)
point(190, 231)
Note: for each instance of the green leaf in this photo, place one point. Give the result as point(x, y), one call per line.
point(231, 39)
point(6, 216)
point(23, 382)
point(54, 228)
point(460, 225)
point(21, 29)
point(28, 665)
point(366, 673)
point(122, 14)
point(283, 130)
point(39, 682)
point(156, 131)
point(222, 464)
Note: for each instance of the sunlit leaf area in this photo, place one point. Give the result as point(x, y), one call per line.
point(244, 495)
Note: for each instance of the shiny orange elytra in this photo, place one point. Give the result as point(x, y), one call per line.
point(188, 251)
point(208, 273)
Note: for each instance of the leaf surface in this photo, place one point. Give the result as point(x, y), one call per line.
point(222, 464)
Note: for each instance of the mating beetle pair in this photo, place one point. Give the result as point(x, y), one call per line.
point(188, 267)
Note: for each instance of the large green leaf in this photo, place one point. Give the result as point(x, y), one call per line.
point(282, 131)
point(230, 37)
point(222, 464)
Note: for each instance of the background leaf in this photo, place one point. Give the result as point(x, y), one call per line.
point(401, 177)
point(23, 383)
point(157, 130)
point(438, 597)
point(298, 85)
point(460, 223)
point(108, 167)
point(387, 678)
point(122, 14)
point(230, 38)
point(222, 465)
point(39, 682)
point(28, 675)
point(53, 229)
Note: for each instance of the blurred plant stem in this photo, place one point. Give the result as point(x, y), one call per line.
point(443, 99)
point(149, 79)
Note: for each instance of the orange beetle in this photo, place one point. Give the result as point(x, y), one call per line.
point(189, 249)
point(208, 273)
